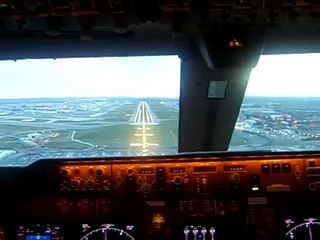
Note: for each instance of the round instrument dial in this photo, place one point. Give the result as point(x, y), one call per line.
point(309, 229)
point(106, 232)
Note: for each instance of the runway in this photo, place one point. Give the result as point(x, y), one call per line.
point(143, 115)
point(144, 119)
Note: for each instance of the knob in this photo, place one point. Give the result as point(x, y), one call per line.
point(65, 172)
point(130, 171)
point(75, 183)
point(99, 172)
point(235, 178)
point(178, 185)
point(145, 188)
point(312, 186)
point(118, 179)
point(91, 171)
point(90, 183)
point(177, 180)
point(139, 181)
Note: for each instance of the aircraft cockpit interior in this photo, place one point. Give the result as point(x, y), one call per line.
point(159, 119)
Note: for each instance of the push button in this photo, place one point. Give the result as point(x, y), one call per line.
point(275, 168)
point(286, 167)
point(265, 168)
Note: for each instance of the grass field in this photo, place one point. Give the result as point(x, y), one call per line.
point(87, 124)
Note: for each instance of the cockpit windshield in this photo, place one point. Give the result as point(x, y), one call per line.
point(281, 107)
point(126, 106)
point(88, 107)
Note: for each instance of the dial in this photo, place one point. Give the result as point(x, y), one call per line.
point(199, 233)
point(309, 229)
point(106, 231)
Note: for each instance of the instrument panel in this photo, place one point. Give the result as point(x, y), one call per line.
point(196, 197)
point(195, 178)
point(300, 229)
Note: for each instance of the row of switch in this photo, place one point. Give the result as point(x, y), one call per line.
point(67, 172)
point(276, 168)
point(315, 170)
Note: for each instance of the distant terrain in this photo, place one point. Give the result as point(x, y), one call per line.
point(277, 124)
point(32, 129)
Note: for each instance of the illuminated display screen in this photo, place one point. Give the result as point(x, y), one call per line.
point(38, 232)
point(37, 237)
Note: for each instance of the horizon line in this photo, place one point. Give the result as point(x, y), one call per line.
point(23, 98)
point(149, 97)
point(282, 96)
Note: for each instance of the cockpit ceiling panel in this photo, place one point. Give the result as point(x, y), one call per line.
point(144, 27)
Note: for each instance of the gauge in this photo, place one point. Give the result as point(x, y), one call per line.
point(199, 233)
point(309, 229)
point(107, 231)
point(38, 232)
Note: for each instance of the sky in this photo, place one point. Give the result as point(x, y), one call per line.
point(294, 75)
point(91, 77)
point(291, 75)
